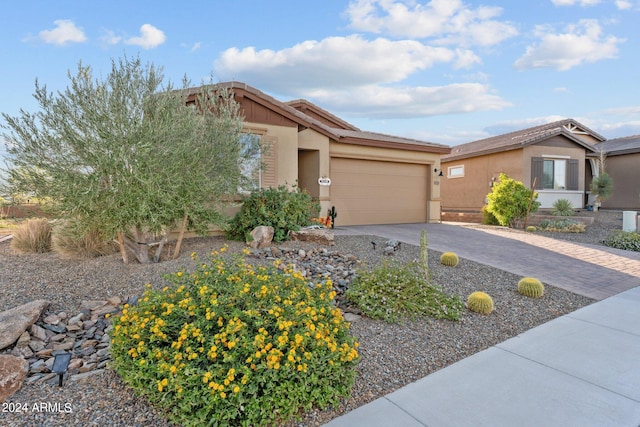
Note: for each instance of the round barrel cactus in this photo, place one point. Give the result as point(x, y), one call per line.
point(531, 287)
point(480, 302)
point(449, 258)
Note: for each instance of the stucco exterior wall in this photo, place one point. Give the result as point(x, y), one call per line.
point(468, 192)
point(625, 172)
point(286, 139)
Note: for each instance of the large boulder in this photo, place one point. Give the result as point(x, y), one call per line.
point(321, 236)
point(15, 321)
point(13, 371)
point(262, 237)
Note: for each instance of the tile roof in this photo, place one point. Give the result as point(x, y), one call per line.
point(522, 138)
point(618, 146)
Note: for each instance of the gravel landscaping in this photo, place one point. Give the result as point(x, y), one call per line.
point(392, 355)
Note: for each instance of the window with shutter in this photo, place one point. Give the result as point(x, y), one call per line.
point(537, 170)
point(573, 169)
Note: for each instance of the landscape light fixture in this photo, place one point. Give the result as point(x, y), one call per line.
point(60, 365)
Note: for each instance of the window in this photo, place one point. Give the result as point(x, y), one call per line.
point(555, 174)
point(250, 166)
point(455, 171)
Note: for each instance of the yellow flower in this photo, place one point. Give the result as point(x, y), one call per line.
point(179, 274)
point(236, 389)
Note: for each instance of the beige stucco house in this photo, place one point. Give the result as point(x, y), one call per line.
point(622, 163)
point(555, 155)
point(369, 177)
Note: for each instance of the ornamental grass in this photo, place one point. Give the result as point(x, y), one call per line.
point(232, 344)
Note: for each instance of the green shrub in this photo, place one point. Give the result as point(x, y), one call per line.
point(602, 186)
point(628, 241)
point(280, 208)
point(489, 218)
point(531, 228)
point(393, 291)
point(562, 207)
point(509, 201)
point(480, 302)
point(70, 243)
point(449, 259)
point(531, 287)
point(232, 344)
point(562, 226)
point(32, 236)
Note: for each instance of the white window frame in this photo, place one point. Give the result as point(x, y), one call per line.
point(452, 174)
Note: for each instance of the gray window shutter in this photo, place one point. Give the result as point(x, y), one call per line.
point(537, 164)
point(573, 168)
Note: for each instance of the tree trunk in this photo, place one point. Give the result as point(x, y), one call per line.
point(180, 236)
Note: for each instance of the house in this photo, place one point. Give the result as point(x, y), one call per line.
point(622, 163)
point(370, 178)
point(557, 156)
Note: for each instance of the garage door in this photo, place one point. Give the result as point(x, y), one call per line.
point(377, 192)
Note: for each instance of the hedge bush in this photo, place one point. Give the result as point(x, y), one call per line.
point(232, 344)
point(628, 241)
point(281, 208)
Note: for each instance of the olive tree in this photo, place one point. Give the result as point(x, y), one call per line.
point(129, 155)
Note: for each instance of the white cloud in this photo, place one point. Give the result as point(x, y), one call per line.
point(446, 21)
point(408, 102)
point(335, 62)
point(196, 46)
point(64, 32)
point(578, 44)
point(109, 38)
point(624, 4)
point(572, 2)
point(149, 38)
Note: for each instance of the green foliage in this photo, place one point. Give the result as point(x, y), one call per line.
point(628, 241)
point(230, 344)
point(480, 302)
point(280, 208)
point(602, 186)
point(392, 291)
point(489, 218)
point(531, 287)
point(562, 207)
point(531, 228)
point(509, 200)
point(562, 226)
point(32, 236)
point(449, 259)
point(126, 153)
point(333, 214)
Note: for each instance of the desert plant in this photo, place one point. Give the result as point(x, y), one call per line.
point(282, 208)
point(424, 253)
point(509, 201)
point(449, 259)
point(480, 302)
point(531, 228)
point(562, 226)
point(393, 291)
point(628, 241)
point(32, 236)
point(72, 243)
point(531, 287)
point(602, 186)
point(333, 214)
point(232, 344)
point(562, 207)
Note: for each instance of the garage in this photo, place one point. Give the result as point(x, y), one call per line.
point(378, 192)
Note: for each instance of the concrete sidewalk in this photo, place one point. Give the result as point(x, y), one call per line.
point(581, 369)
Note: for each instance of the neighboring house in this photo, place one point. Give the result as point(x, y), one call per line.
point(374, 178)
point(554, 155)
point(622, 163)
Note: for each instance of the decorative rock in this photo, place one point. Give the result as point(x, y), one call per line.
point(38, 333)
point(114, 301)
point(15, 321)
point(13, 371)
point(276, 252)
point(351, 317)
point(52, 319)
point(262, 237)
point(320, 236)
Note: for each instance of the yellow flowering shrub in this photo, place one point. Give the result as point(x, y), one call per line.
point(232, 344)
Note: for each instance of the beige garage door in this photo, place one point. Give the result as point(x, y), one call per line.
point(377, 192)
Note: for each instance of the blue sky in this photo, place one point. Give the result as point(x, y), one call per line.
point(444, 71)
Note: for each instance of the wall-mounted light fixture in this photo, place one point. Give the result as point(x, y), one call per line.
point(436, 170)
